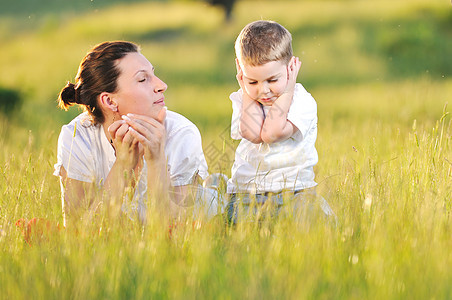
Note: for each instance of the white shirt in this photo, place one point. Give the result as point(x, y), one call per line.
point(86, 154)
point(288, 164)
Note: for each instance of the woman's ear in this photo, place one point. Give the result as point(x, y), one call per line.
point(107, 102)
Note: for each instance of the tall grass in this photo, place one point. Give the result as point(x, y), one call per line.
point(384, 142)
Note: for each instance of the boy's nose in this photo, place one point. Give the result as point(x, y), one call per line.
point(264, 89)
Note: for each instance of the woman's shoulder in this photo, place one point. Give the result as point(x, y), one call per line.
point(80, 127)
point(82, 120)
point(175, 122)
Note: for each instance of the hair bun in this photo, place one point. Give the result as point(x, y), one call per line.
point(69, 95)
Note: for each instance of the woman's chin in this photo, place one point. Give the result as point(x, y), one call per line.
point(154, 111)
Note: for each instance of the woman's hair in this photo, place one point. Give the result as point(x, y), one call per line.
point(98, 72)
point(261, 42)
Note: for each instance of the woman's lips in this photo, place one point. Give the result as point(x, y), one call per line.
point(160, 102)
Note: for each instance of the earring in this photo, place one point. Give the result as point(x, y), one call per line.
point(111, 140)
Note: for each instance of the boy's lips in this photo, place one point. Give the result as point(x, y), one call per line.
point(266, 99)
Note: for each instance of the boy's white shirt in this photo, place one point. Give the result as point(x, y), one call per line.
point(288, 164)
point(86, 154)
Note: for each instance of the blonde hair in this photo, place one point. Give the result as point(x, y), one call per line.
point(261, 42)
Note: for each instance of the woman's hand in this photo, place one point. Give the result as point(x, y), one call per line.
point(126, 145)
point(150, 133)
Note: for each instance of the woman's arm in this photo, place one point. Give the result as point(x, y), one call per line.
point(83, 198)
point(78, 197)
point(151, 134)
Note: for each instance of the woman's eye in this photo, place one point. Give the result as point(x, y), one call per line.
point(142, 80)
point(252, 82)
point(273, 80)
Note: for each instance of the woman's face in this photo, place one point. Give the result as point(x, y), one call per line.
point(139, 91)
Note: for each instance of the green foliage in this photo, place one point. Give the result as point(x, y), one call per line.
point(32, 7)
point(384, 144)
point(10, 100)
point(416, 44)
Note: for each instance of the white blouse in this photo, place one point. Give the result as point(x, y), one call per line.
point(86, 154)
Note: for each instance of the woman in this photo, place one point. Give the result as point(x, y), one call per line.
point(126, 143)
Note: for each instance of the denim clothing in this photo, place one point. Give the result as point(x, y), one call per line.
point(257, 207)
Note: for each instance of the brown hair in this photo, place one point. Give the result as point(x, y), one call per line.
point(260, 42)
point(97, 73)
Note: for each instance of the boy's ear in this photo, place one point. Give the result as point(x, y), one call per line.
point(237, 65)
point(291, 62)
point(107, 101)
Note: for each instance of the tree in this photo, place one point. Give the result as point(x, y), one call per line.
point(227, 6)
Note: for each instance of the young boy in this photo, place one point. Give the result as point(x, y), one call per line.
point(276, 120)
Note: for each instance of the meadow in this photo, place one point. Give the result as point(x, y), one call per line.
point(380, 72)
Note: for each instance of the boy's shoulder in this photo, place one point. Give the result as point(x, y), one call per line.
point(236, 95)
point(303, 104)
point(301, 92)
point(302, 96)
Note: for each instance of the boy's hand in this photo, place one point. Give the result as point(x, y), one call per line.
point(276, 127)
point(251, 116)
point(239, 75)
point(292, 72)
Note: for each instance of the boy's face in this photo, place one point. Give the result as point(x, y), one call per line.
point(265, 83)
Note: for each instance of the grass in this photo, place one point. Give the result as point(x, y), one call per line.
point(381, 76)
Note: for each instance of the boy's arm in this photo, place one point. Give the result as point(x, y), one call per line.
point(252, 116)
point(251, 120)
point(276, 127)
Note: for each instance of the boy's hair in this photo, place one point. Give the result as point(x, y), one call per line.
point(261, 42)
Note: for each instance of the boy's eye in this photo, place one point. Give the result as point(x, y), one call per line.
point(273, 80)
point(142, 80)
point(252, 82)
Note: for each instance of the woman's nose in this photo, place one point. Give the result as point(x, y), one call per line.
point(160, 86)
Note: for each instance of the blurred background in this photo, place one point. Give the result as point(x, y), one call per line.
point(380, 72)
point(365, 62)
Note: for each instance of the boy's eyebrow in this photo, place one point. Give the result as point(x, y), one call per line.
point(273, 76)
point(251, 79)
point(269, 78)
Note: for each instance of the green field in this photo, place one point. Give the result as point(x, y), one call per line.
point(380, 72)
